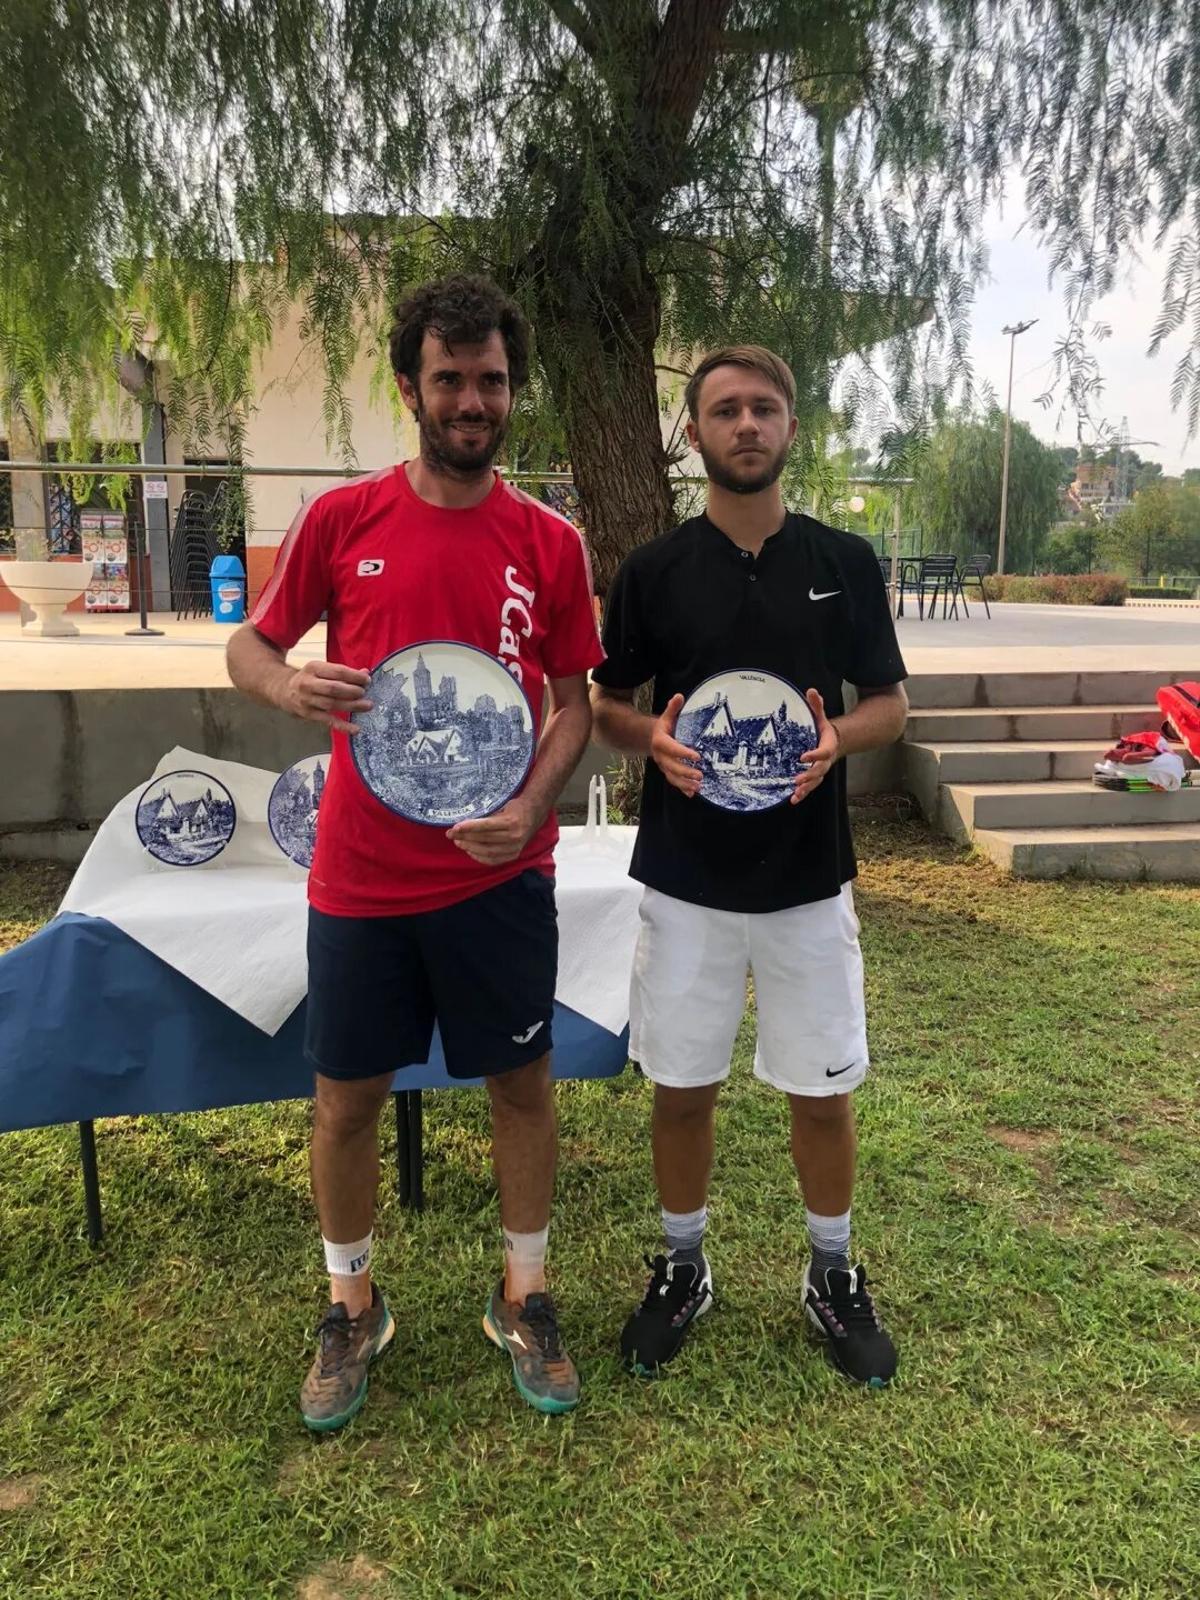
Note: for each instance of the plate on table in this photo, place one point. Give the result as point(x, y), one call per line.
point(185, 818)
point(752, 731)
point(293, 806)
point(449, 736)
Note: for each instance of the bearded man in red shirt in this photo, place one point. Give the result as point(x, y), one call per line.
point(410, 924)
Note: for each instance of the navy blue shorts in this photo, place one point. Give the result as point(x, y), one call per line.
point(483, 969)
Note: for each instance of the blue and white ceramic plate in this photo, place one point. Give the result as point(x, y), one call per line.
point(752, 730)
point(293, 806)
point(449, 735)
point(185, 818)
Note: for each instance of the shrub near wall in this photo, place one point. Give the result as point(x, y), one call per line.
point(1082, 589)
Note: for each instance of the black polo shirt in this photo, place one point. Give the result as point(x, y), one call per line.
point(811, 607)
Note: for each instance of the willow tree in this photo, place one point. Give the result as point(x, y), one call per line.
point(956, 490)
point(647, 176)
point(1158, 534)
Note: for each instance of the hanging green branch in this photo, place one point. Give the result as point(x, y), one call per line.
point(647, 176)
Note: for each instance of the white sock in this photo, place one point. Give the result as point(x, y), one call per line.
point(830, 1241)
point(347, 1260)
point(684, 1233)
point(525, 1251)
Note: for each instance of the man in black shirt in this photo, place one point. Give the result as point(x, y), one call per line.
point(768, 603)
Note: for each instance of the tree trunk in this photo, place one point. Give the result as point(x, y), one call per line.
point(615, 441)
point(600, 365)
point(601, 371)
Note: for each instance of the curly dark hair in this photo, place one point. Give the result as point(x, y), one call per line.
point(462, 309)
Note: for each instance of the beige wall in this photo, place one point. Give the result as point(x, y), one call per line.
point(287, 428)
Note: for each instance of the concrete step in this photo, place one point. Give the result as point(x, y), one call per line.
point(1013, 761)
point(977, 690)
point(964, 808)
point(1040, 724)
point(928, 766)
point(1167, 853)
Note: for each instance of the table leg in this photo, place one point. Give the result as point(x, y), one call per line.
point(416, 1152)
point(403, 1172)
point(91, 1181)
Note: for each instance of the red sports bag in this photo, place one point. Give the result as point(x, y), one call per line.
point(1180, 706)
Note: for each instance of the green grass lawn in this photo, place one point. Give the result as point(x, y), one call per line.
point(1027, 1205)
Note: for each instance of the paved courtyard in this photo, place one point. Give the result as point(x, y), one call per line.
point(1015, 639)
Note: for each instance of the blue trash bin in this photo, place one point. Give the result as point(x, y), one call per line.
point(228, 578)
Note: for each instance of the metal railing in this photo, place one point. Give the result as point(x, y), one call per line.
point(191, 597)
point(142, 469)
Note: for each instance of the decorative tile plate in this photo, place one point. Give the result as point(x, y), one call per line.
point(752, 730)
point(449, 735)
point(293, 806)
point(185, 818)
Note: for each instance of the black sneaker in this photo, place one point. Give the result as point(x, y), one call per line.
point(676, 1295)
point(844, 1314)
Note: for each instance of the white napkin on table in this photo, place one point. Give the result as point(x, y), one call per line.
point(597, 914)
point(235, 925)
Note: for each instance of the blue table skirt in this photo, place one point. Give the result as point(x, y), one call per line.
point(93, 1025)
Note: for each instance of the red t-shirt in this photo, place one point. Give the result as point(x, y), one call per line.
point(390, 570)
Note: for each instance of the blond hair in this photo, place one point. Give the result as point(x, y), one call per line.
point(756, 358)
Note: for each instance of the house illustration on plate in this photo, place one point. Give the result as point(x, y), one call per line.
point(761, 745)
point(437, 747)
point(449, 733)
point(187, 819)
point(433, 729)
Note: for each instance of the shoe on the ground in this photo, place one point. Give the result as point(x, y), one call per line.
point(678, 1292)
point(336, 1385)
point(838, 1305)
point(543, 1372)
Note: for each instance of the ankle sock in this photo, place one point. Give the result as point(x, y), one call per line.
point(829, 1239)
point(684, 1231)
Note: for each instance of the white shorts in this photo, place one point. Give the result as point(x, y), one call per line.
point(688, 994)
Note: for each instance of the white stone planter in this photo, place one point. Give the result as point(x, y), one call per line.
point(48, 587)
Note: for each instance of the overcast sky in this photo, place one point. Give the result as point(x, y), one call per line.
point(1136, 385)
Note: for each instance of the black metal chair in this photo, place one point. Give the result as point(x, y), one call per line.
point(192, 549)
point(937, 574)
point(930, 576)
point(906, 578)
point(974, 570)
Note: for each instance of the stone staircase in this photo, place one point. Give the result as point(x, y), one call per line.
point(1004, 761)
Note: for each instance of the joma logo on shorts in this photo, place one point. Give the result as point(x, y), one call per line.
point(516, 622)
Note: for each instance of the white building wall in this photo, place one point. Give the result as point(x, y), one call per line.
point(287, 428)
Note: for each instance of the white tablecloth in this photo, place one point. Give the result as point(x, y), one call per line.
point(236, 925)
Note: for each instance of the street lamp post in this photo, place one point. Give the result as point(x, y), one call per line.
point(1021, 327)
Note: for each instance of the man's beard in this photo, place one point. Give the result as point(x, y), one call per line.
point(720, 474)
point(440, 452)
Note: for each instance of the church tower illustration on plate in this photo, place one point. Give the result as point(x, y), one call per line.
point(426, 700)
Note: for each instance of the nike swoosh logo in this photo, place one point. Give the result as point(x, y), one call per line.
point(836, 1072)
point(515, 1338)
point(828, 595)
point(524, 1038)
